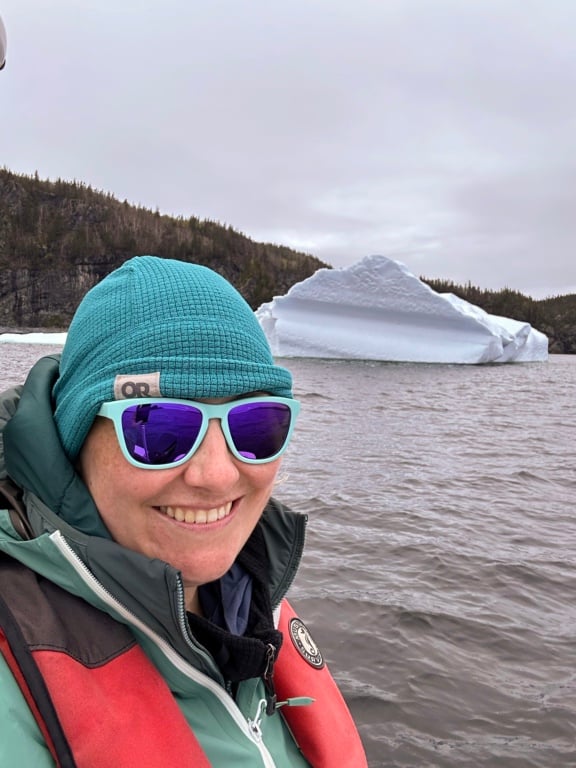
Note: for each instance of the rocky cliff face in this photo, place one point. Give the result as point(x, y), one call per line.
point(44, 298)
point(58, 239)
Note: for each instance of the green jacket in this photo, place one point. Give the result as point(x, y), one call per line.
point(72, 549)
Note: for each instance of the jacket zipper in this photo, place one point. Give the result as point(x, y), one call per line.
point(268, 678)
point(245, 726)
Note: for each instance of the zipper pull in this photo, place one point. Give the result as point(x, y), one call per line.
point(255, 725)
point(296, 701)
point(268, 678)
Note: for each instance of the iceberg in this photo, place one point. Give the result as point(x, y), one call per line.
point(377, 309)
point(33, 338)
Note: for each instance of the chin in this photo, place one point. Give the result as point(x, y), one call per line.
point(193, 576)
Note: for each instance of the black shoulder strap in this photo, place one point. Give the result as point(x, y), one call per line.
point(11, 496)
point(29, 678)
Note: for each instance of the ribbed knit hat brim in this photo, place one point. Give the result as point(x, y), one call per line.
point(181, 323)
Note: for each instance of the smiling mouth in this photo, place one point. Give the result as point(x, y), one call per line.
point(197, 516)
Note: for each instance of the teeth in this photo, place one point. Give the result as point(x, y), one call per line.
point(197, 516)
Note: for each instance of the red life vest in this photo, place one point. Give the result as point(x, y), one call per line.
point(118, 713)
point(324, 731)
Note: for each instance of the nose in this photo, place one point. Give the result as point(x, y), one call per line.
point(212, 465)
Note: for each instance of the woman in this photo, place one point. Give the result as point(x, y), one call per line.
point(143, 562)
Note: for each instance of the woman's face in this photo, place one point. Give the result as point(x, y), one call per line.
point(197, 516)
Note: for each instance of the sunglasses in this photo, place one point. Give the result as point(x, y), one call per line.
point(163, 433)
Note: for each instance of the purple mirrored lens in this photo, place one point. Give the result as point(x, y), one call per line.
point(259, 430)
point(160, 433)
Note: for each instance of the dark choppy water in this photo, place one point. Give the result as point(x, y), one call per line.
point(440, 575)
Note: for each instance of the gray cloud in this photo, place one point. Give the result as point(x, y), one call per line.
point(439, 132)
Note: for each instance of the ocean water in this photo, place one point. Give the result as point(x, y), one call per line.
point(440, 571)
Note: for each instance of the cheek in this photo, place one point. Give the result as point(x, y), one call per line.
point(111, 482)
point(262, 477)
point(101, 464)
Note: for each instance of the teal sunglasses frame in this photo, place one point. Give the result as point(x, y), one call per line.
point(113, 410)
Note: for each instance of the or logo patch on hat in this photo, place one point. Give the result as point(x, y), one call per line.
point(306, 647)
point(137, 385)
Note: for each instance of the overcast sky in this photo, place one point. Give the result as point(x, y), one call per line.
point(441, 133)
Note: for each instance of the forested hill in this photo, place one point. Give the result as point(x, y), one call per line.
point(58, 239)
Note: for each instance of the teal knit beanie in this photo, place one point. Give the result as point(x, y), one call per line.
point(160, 328)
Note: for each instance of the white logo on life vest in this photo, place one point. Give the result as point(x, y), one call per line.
point(137, 385)
point(304, 644)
